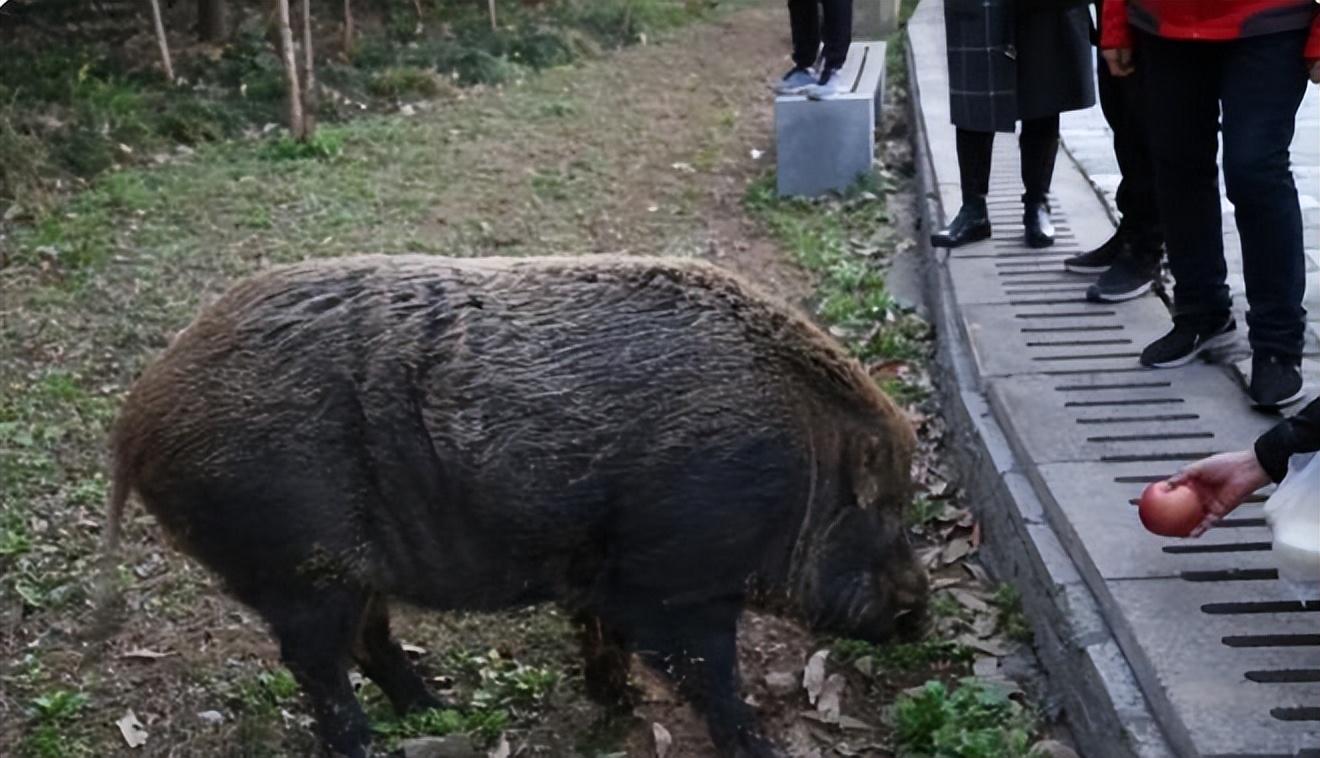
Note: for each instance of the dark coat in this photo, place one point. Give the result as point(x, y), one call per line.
point(1010, 61)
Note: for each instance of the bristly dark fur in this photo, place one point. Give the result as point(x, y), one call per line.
point(646, 441)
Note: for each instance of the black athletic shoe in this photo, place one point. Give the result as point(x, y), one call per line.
point(1127, 279)
point(1184, 343)
point(1276, 381)
point(1099, 260)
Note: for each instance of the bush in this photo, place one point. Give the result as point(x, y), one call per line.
point(402, 81)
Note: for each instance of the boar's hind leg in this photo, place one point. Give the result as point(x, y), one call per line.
point(696, 646)
point(315, 628)
point(382, 659)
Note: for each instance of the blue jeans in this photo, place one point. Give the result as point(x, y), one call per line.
point(1258, 82)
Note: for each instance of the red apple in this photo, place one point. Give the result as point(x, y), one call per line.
point(1171, 511)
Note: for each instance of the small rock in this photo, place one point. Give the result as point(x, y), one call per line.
point(781, 683)
point(212, 717)
point(408, 110)
point(451, 746)
point(1052, 749)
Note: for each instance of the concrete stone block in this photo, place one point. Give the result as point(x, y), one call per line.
point(825, 146)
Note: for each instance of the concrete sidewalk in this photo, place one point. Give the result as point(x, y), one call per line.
point(1156, 647)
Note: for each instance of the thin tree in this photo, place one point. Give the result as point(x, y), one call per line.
point(160, 38)
point(297, 127)
point(494, 24)
point(309, 72)
point(348, 29)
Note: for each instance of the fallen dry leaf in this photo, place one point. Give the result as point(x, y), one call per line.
point(663, 740)
point(830, 704)
point(956, 550)
point(813, 677)
point(134, 733)
point(143, 653)
point(969, 601)
point(503, 750)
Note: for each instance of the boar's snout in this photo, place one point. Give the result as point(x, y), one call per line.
point(868, 584)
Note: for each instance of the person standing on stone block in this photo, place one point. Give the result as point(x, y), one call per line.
point(1128, 262)
point(815, 22)
point(1247, 60)
point(1011, 61)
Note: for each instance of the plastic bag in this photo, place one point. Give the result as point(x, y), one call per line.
point(1293, 512)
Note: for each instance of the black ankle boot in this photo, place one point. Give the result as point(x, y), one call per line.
point(1036, 220)
point(972, 224)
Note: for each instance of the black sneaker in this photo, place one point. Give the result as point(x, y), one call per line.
point(1184, 343)
point(1127, 279)
point(1276, 381)
point(1099, 260)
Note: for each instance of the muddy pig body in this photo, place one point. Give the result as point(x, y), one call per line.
point(647, 442)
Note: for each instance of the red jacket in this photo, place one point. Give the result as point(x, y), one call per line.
point(1210, 20)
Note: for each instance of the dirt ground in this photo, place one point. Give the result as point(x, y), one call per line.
point(649, 151)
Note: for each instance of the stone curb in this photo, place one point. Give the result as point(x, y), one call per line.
point(1090, 679)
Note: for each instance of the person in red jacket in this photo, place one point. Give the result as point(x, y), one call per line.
point(1250, 60)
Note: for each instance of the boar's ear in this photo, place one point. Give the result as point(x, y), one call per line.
point(867, 459)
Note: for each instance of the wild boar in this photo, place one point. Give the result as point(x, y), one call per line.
point(647, 442)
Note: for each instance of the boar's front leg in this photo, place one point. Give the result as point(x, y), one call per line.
point(696, 646)
point(383, 660)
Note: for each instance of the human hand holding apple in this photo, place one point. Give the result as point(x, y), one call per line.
point(1191, 501)
point(1171, 510)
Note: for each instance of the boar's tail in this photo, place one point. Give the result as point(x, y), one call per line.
point(107, 616)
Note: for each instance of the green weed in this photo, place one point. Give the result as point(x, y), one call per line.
point(1010, 620)
point(55, 732)
point(404, 81)
point(900, 657)
point(325, 144)
point(976, 720)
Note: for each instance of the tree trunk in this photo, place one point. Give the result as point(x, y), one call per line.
point(309, 72)
point(494, 23)
point(164, 43)
point(297, 127)
point(348, 29)
point(212, 21)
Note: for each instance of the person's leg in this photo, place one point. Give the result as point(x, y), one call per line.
point(836, 31)
point(1113, 105)
point(804, 18)
point(1039, 145)
point(1262, 89)
point(1180, 87)
point(975, 152)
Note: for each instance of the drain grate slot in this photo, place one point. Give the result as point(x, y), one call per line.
point(1155, 457)
point(1140, 479)
point(1261, 606)
point(1285, 676)
point(1075, 372)
point(1228, 547)
point(1066, 314)
point(1139, 419)
point(1240, 523)
point(1123, 403)
point(1079, 343)
point(1296, 714)
point(1231, 575)
point(1083, 357)
point(1118, 386)
point(1273, 640)
point(1060, 277)
point(1061, 329)
point(1151, 437)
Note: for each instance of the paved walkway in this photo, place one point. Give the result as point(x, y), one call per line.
point(1222, 657)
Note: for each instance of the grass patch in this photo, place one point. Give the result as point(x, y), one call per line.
point(975, 720)
point(846, 242)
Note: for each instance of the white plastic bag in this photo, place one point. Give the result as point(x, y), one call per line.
point(1293, 512)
